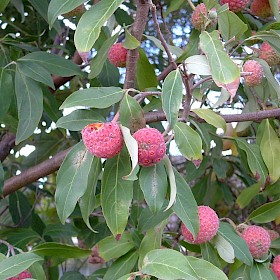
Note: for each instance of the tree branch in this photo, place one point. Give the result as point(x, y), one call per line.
point(51, 165)
point(6, 144)
point(137, 31)
point(34, 173)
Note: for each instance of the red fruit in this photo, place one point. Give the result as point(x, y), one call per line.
point(151, 146)
point(257, 239)
point(23, 275)
point(208, 226)
point(235, 5)
point(117, 55)
point(276, 266)
point(199, 17)
point(261, 8)
point(103, 140)
point(272, 234)
point(268, 54)
point(257, 73)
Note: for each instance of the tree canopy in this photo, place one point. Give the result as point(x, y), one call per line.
point(121, 120)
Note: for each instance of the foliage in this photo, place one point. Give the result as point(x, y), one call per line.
point(66, 214)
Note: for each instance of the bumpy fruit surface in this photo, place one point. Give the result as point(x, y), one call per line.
point(103, 140)
point(235, 5)
point(23, 275)
point(151, 146)
point(75, 12)
point(256, 69)
point(268, 54)
point(199, 17)
point(257, 239)
point(276, 266)
point(208, 226)
point(261, 8)
point(117, 55)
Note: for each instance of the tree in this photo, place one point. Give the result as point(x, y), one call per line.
point(191, 70)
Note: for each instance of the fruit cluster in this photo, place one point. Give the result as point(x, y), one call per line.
point(23, 275)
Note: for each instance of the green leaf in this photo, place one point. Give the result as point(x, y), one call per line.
point(6, 91)
point(1, 178)
point(254, 158)
point(90, 23)
point(55, 64)
point(72, 180)
point(37, 271)
point(3, 5)
point(168, 264)
point(36, 72)
point(198, 64)
point(22, 236)
point(99, 60)
point(131, 113)
point(241, 250)
point(72, 275)
point(231, 26)
point(110, 248)
point(78, 119)
point(59, 7)
point(121, 266)
point(14, 265)
point(30, 105)
point(173, 49)
point(172, 181)
point(53, 249)
point(94, 97)
point(188, 141)
point(87, 201)
point(132, 147)
point(270, 149)
point(225, 72)
point(116, 193)
point(130, 42)
point(266, 213)
point(224, 248)
point(211, 117)
point(260, 271)
point(209, 254)
point(246, 196)
point(146, 77)
point(151, 241)
point(185, 205)
point(275, 8)
point(60, 231)
point(172, 94)
point(153, 182)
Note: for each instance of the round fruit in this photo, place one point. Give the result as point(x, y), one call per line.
point(208, 226)
point(117, 55)
point(199, 17)
point(235, 5)
point(255, 78)
point(257, 239)
point(276, 266)
point(23, 275)
point(103, 140)
point(268, 54)
point(151, 146)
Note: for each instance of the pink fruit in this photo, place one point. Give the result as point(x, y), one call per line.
point(151, 146)
point(268, 54)
point(117, 55)
point(272, 234)
point(257, 239)
point(208, 226)
point(235, 5)
point(103, 140)
point(199, 17)
point(256, 69)
point(276, 266)
point(23, 275)
point(261, 8)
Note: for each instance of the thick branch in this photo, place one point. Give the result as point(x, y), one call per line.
point(34, 173)
point(137, 31)
point(6, 144)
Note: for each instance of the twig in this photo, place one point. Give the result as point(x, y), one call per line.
point(187, 104)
